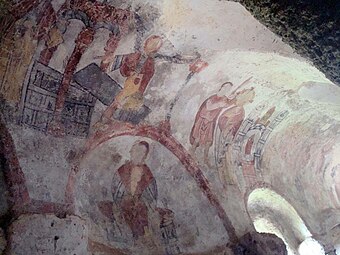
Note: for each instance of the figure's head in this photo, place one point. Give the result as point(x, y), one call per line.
point(225, 88)
point(123, 16)
point(245, 96)
point(152, 44)
point(23, 27)
point(62, 24)
point(139, 151)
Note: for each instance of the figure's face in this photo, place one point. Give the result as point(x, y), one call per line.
point(152, 44)
point(138, 153)
point(20, 31)
point(62, 25)
point(224, 90)
point(245, 97)
point(123, 16)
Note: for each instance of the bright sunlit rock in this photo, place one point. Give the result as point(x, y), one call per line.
point(311, 247)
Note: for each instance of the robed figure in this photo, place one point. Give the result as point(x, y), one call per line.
point(134, 190)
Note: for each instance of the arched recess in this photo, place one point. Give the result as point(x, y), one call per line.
point(162, 136)
point(83, 17)
point(271, 213)
point(76, 14)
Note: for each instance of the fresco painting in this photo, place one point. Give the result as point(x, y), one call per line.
point(138, 74)
point(238, 141)
point(138, 69)
point(50, 32)
point(16, 56)
point(202, 132)
point(122, 135)
point(251, 140)
point(39, 103)
point(134, 193)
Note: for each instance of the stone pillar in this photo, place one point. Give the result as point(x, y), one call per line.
point(13, 175)
point(83, 40)
point(45, 32)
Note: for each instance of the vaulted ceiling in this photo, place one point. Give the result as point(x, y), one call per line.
point(169, 127)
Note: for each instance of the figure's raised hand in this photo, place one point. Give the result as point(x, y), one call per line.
point(197, 66)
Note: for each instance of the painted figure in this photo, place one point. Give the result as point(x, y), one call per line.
point(229, 122)
point(202, 132)
point(134, 190)
point(16, 60)
point(138, 69)
point(134, 193)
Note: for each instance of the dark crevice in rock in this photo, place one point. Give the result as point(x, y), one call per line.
point(311, 27)
point(254, 243)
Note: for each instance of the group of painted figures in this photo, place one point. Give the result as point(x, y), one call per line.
point(220, 119)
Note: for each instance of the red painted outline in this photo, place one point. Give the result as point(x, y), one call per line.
point(163, 136)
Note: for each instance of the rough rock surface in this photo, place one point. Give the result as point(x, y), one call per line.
point(260, 244)
point(3, 242)
point(311, 27)
point(47, 234)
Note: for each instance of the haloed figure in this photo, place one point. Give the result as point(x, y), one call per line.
point(202, 132)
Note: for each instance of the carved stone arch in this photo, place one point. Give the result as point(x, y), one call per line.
point(272, 213)
point(266, 185)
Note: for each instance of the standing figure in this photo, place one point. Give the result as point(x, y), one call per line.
point(134, 205)
point(229, 123)
point(50, 31)
point(202, 132)
point(134, 190)
point(18, 58)
point(138, 69)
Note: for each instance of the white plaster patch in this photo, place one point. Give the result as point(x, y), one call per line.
point(217, 25)
point(320, 92)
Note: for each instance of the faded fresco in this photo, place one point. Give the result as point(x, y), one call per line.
point(134, 215)
point(153, 129)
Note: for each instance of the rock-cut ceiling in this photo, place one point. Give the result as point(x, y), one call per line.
point(145, 127)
